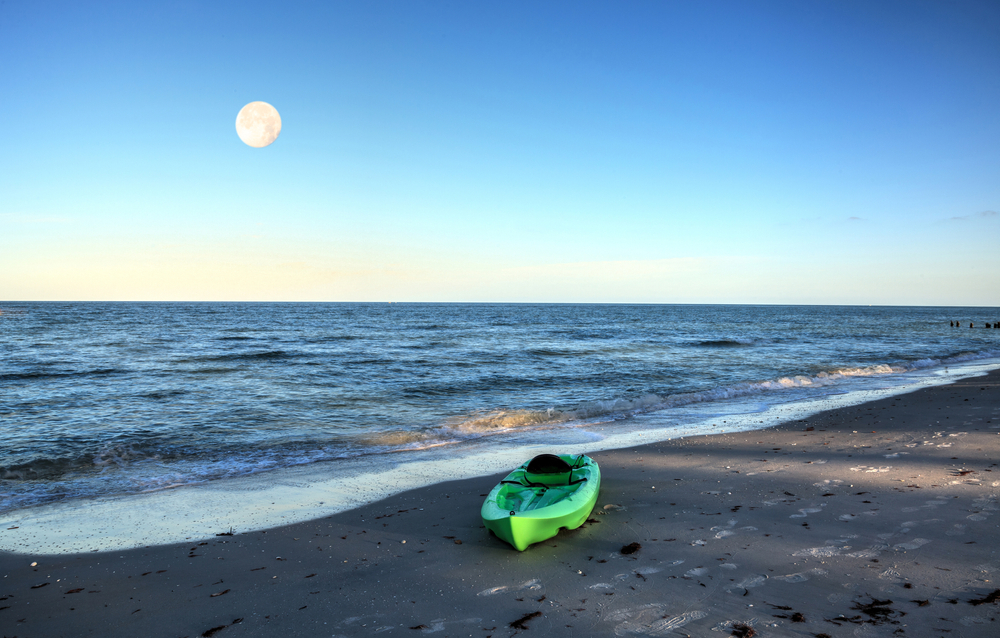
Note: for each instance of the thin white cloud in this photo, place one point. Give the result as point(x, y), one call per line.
point(985, 213)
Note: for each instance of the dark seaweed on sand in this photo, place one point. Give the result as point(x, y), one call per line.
point(878, 612)
point(631, 548)
point(795, 617)
point(741, 630)
point(519, 623)
point(215, 630)
point(992, 597)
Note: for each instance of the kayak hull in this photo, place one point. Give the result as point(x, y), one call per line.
point(527, 508)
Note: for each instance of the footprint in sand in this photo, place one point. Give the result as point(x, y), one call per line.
point(533, 584)
point(851, 517)
point(725, 531)
point(754, 580)
point(821, 552)
point(982, 508)
point(649, 620)
point(728, 627)
point(872, 552)
point(916, 543)
point(624, 614)
point(828, 483)
point(806, 511)
point(938, 502)
point(801, 577)
point(666, 626)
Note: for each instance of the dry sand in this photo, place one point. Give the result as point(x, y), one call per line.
point(876, 520)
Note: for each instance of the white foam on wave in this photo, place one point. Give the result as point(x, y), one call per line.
point(512, 419)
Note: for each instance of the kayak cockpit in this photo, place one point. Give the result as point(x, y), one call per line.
point(522, 499)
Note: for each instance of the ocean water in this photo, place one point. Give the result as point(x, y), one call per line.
point(106, 400)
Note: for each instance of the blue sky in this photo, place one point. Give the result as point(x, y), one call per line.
point(668, 152)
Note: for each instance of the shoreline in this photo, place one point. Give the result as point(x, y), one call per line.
point(302, 493)
point(803, 529)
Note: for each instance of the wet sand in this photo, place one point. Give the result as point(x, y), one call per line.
point(881, 519)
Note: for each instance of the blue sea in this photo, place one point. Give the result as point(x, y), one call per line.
point(104, 400)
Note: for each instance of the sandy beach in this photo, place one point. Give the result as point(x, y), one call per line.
point(875, 520)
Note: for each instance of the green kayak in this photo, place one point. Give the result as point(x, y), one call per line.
point(541, 497)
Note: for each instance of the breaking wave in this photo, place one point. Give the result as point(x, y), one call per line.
point(501, 420)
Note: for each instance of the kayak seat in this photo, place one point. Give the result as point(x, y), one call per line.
point(548, 464)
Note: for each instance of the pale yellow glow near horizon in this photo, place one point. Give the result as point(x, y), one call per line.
point(251, 269)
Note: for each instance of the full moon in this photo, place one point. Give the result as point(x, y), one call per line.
point(258, 124)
